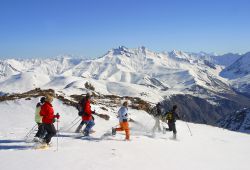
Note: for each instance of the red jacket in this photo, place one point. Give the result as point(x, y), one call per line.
point(47, 112)
point(87, 115)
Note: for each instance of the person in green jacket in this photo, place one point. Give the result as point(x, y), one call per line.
point(38, 120)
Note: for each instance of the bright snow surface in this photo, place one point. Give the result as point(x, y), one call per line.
point(208, 148)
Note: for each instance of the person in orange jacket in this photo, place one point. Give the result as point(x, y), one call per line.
point(123, 120)
point(47, 112)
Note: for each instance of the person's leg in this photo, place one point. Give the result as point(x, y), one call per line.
point(51, 131)
point(89, 125)
point(42, 134)
point(79, 127)
point(38, 133)
point(119, 128)
point(125, 126)
point(174, 130)
point(158, 125)
point(170, 126)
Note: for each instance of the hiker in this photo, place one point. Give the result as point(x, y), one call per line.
point(123, 120)
point(47, 112)
point(80, 107)
point(38, 120)
point(157, 116)
point(87, 117)
point(171, 117)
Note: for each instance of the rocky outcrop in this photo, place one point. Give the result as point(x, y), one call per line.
point(237, 121)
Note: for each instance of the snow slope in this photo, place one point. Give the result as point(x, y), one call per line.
point(208, 148)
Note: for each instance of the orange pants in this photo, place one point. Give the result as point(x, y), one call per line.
point(124, 126)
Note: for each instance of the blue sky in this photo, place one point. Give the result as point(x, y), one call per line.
point(44, 28)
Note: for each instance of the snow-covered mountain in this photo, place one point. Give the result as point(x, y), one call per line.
point(176, 71)
point(226, 59)
point(222, 60)
point(238, 69)
point(239, 74)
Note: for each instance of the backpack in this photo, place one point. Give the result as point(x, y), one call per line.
point(169, 115)
point(38, 118)
point(81, 106)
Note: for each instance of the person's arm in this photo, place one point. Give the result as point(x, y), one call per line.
point(120, 113)
point(177, 116)
point(125, 113)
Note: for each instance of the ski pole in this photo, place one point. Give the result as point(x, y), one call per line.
point(189, 129)
point(74, 119)
point(57, 135)
point(73, 125)
point(32, 129)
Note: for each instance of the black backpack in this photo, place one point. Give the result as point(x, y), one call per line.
point(81, 106)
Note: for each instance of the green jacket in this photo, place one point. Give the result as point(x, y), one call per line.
point(38, 118)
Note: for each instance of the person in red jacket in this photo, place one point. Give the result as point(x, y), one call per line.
point(47, 112)
point(87, 117)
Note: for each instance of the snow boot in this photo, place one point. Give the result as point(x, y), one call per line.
point(36, 139)
point(85, 133)
point(113, 131)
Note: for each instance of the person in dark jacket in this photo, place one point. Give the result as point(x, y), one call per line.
point(47, 112)
point(171, 118)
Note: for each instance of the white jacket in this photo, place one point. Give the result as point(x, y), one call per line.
point(123, 114)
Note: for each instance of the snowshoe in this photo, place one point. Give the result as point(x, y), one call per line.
point(42, 146)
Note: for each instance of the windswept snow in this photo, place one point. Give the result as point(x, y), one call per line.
point(208, 148)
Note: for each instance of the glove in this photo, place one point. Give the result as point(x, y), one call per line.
point(57, 116)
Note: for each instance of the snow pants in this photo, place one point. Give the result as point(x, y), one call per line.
point(41, 131)
point(78, 129)
point(89, 125)
point(51, 131)
point(157, 124)
point(172, 127)
point(124, 127)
